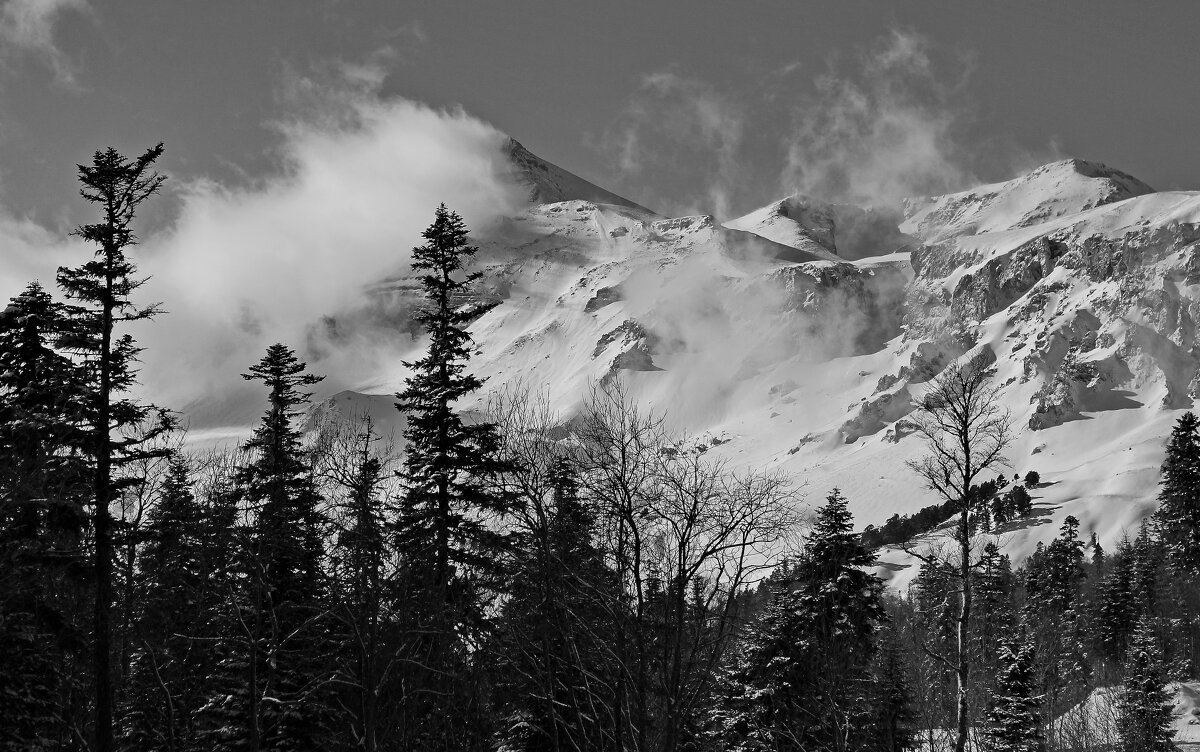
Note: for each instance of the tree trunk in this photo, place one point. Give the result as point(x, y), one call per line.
point(964, 617)
point(102, 614)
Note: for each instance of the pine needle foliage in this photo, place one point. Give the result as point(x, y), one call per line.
point(1013, 720)
point(1144, 711)
point(1179, 495)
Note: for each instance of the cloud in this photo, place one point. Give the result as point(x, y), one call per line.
point(295, 255)
point(28, 26)
point(292, 257)
point(673, 120)
point(880, 133)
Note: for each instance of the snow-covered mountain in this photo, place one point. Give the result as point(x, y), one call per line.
point(798, 335)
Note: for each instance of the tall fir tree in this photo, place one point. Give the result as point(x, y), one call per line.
point(1179, 494)
point(1116, 608)
point(101, 290)
point(995, 611)
point(1144, 710)
point(445, 535)
point(276, 649)
point(1013, 718)
point(803, 680)
point(1054, 578)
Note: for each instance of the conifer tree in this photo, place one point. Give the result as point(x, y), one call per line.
point(101, 290)
point(1179, 494)
point(1144, 710)
point(891, 720)
point(553, 631)
point(275, 670)
point(449, 549)
point(1054, 576)
point(181, 580)
point(1013, 720)
point(995, 611)
point(1148, 560)
point(43, 486)
point(1116, 608)
point(802, 681)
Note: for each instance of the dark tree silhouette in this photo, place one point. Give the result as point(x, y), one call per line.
point(102, 290)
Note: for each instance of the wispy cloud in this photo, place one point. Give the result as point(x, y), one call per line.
point(28, 26)
point(879, 132)
point(673, 120)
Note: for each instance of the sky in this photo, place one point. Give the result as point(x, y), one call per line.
point(301, 134)
point(679, 105)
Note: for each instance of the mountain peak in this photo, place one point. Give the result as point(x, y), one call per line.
point(548, 183)
point(1068, 186)
point(842, 232)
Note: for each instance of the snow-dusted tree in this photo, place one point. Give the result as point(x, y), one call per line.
point(1054, 576)
point(1013, 720)
point(101, 290)
point(1179, 494)
point(449, 547)
point(966, 430)
point(803, 681)
point(1144, 708)
point(1116, 609)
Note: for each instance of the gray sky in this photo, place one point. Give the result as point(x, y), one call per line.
point(682, 106)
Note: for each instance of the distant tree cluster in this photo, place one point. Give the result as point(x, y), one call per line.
point(990, 508)
point(521, 582)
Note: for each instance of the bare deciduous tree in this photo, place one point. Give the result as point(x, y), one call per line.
point(966, 431)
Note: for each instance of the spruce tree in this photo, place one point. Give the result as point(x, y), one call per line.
point(450, 549)
point(803, 679)
point(43, 487)
point(995, 612)
point(1179, 494)
point(101, 290)
point(1013, 720)
point(274, 676)
point(1144, 710)
point(1116, 608)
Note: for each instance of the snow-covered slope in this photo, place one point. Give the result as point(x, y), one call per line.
point(1054, 190)
point(785, 339)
